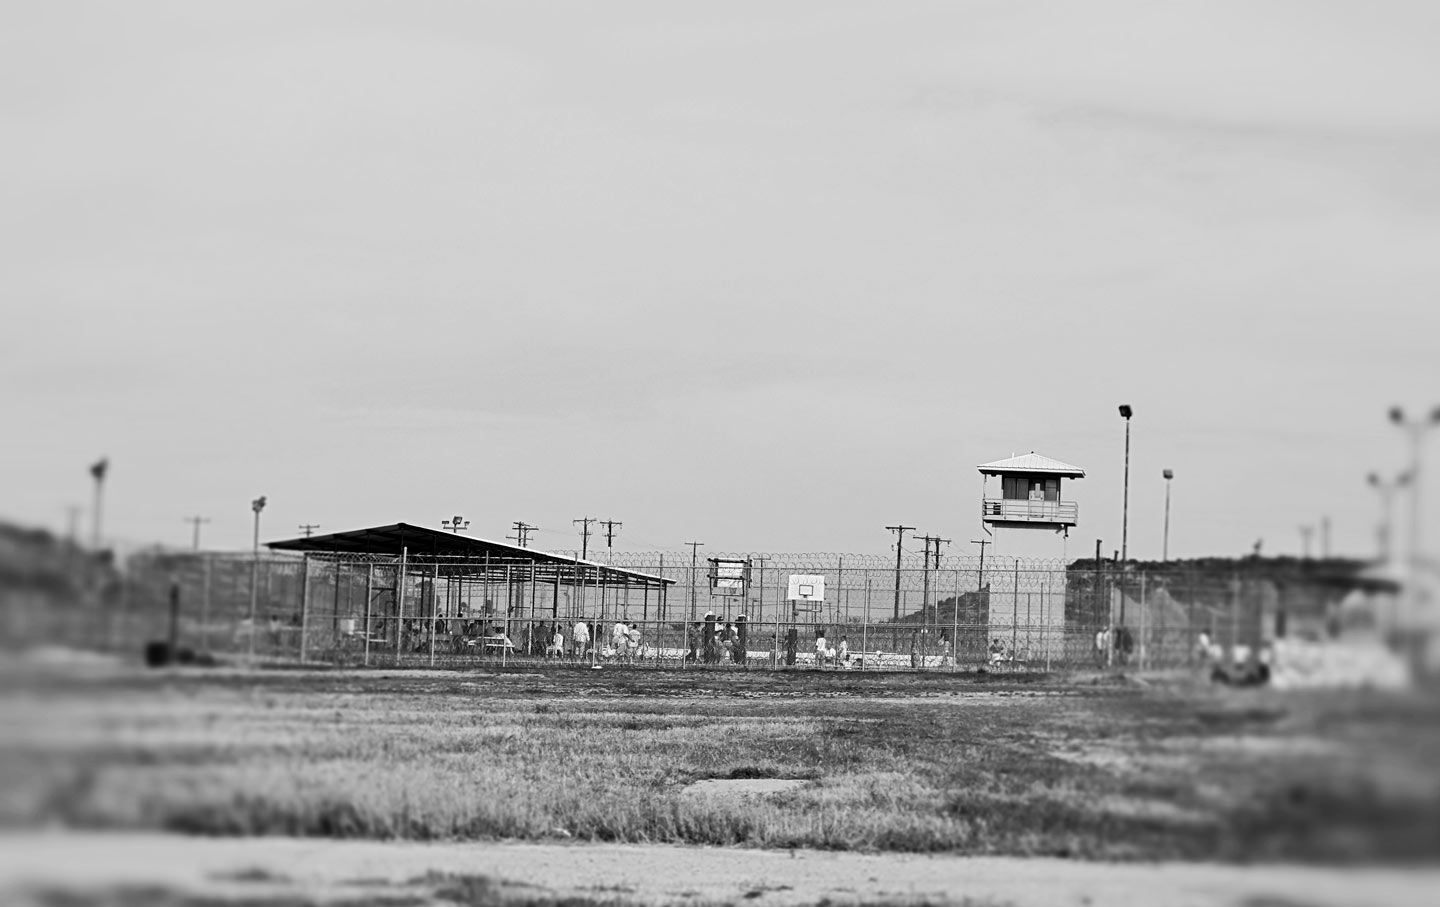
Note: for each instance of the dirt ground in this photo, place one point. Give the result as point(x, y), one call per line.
point(80, 869)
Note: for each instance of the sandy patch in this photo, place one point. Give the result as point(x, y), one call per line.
point(741, 787)
point(666, 874)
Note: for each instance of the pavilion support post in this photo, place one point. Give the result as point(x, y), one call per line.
point(205, 605)
point(430, 621)
point(400, 600)
point(645, 602)
point(534, 606)
point(304, 601)
point(555, 600)
point(335, 609)
point(369, 591)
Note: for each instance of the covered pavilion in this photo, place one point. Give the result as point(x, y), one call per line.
point(415, 575)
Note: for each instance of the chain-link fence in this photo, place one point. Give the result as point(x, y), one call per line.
point(953, 613)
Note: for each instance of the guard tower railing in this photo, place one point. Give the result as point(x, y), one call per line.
point(1009, 510)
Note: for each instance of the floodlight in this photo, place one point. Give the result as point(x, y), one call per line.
point(1397, 415)
point(1125, 410)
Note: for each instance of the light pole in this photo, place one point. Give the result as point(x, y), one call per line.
point(196, 522)
point(1387, 511)
point(1126, 412)
point(1165, 548)
point(97, 472)
point(456, 523)
point(256, 505)
point(1416, 429)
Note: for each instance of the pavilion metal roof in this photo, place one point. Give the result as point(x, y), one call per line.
point(1032, 463)
point(424, 542)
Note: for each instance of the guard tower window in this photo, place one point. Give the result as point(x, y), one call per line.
point(1020, 488)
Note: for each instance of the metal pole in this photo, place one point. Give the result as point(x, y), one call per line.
point(99, 472)
point(865, 626)
point(434, 600)
point(205, 605)
point(899, 539)
point(400, 599)
point(955, 626)
point(1014, 613)
point(760, 606)
point(1413, 573)
point(305, 600)
point(1125, 518)
point(335, 605)
point(369, 591)
point(1165, 551)
point(1045, 611)
point(254, 581)
point(1142, 623)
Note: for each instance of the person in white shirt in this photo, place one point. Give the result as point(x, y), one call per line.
point(620, 638)
point(820, 650)
point(632, 637)
point(582, 638)
point(844, 650)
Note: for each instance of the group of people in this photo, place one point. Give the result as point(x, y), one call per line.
point(577, 641)
point(709, 641)
point(1117, 639)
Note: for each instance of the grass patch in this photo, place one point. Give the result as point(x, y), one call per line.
point(918, 763)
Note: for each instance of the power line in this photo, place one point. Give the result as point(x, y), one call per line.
point(937, 541)
point(308, 528)
point(925, 595)
point(899, 547)
point(196, 521)
point(522, 533)
point(610, 527)
point(585, 535)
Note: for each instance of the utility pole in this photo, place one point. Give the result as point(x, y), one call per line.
point(1325, 537)
point(522, 533)
point(1305, 532)
point(937, 541)
point(196, 521)
point(899, 548)
point(610, 527)
point(308, 528)
point(694, 550)
point(584, 535)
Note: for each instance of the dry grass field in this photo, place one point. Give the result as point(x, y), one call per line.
point(1099, 769)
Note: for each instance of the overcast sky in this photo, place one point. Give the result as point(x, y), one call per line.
point(765, 275)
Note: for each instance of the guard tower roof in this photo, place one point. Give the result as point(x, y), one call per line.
point(1031, 463)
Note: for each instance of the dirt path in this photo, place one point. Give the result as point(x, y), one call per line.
point(256, 868)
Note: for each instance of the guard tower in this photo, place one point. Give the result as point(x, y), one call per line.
point(1029, 493)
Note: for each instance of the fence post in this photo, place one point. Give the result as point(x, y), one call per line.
point(400, 600)
point(1142, 622)
point(369, 585)
point(304, 601)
